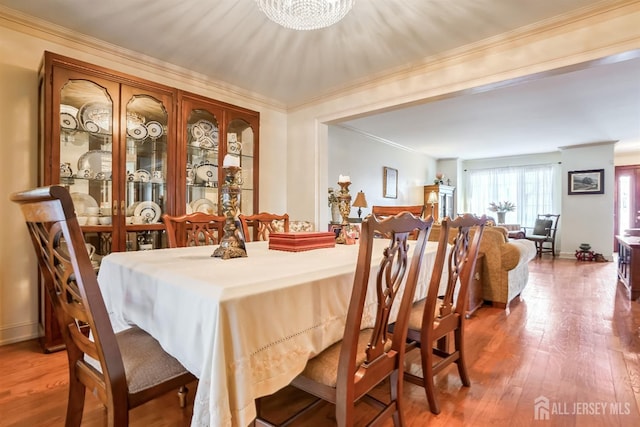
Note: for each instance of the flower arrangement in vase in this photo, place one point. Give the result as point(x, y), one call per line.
point(501, 208)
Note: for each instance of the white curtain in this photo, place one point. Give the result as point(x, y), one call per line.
point(531, 188)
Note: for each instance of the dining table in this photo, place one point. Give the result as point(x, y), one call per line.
point(246, 327)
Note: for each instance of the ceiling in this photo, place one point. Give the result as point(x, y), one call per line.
point(597, 104)
point(232, 41)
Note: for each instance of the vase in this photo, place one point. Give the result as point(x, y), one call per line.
point(335, 213)
point(501, 217)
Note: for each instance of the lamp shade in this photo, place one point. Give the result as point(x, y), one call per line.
point(433, 198)
point(360, 201)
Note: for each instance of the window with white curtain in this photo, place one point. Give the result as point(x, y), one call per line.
point(531, 188)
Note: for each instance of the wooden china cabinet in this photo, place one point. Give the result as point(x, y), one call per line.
point(130, 150)
point(445, 205)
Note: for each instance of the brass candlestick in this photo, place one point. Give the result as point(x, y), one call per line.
point(344, 203)
point(232, 243)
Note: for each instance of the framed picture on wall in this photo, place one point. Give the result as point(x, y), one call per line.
point(586, 182)
point(390, 183)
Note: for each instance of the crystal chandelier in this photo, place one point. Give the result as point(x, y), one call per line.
point(305, 14)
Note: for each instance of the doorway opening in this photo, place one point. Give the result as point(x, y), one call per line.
point(627, 199)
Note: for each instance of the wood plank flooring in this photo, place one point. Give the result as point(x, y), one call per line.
point(573, 338)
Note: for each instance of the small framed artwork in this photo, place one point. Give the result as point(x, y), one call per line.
point(586, 182)
point(390, 183)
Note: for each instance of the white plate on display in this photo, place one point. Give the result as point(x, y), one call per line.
point(150, 211)
point(204, 205)
point(82, 201)
point(206, 172)
point(95, 161)
point(155, 129)
point(142, 175)
point(205, 134)
point(131, 208)
point(234, 147)
point(95, 117)
point(68, 117)
point(137, 132)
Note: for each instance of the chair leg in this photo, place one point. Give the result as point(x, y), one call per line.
point(182, 396)
point(539, 249)
point(462, 366)
point(345, 414)
point(427, 375)
point(117, 416)
point(395, 391)
point(75, 404)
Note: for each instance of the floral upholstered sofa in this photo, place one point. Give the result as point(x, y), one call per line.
point(294, 226)
point(505, 264)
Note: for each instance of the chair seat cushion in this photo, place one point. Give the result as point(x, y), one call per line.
point(324, 367)
point(146, 364)
point(538, 237)
point(415, 318)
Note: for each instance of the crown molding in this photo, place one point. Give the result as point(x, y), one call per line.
point(528, 34)
point(377, 138)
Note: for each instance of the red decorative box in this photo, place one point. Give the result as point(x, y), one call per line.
point(302, 241)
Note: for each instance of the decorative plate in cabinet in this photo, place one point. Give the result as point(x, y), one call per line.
point(95, 162)
point(95, 117)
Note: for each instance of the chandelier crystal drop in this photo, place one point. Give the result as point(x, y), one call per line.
point(305, 14)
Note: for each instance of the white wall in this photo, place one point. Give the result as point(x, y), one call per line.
point(21, 50)
point(363, 158)
point(588, 218)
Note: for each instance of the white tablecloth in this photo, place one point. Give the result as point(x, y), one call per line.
point(245, 326)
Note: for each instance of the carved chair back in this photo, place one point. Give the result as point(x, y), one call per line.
point(262, 224)
point(195, 229)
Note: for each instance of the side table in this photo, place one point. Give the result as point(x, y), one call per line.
point(629, 263)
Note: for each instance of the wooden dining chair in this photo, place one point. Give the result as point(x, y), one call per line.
point(368, 355)
point(386, 211)
point(262, 225)
point(435, 318)
point(195, 229)
point(123, 370)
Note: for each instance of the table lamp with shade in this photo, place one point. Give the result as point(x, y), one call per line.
point(432, 200)
point(360, 202)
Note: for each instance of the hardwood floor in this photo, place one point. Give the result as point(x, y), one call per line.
point(573, 338)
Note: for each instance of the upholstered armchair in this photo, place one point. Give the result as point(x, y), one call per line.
point(505, 264)
point(506, 270)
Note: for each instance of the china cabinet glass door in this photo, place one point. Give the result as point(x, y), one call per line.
point(146, 168)
point(85, 129)
point(202, 161)
point(240, 144)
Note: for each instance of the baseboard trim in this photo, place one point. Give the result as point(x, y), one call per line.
point(20, 332)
